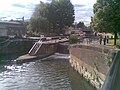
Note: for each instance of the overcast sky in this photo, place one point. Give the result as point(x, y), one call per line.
point(12, 9)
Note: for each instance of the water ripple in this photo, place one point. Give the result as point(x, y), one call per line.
point(51, 74)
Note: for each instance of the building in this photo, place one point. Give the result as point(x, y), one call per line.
point(12, 28)
point(71, 30)
point(87, 30)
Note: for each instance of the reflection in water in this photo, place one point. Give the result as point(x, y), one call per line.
point(7, 58)
point(51, 74)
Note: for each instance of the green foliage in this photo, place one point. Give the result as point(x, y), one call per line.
point(73, 39)
point(106, 16)
point(52, 17)
point(111, 41)
point(41, 10)
point(39, 24)
point(60, 14)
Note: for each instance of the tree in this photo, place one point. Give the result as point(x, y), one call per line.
point(40, 9)
point(38, 22)
point(52, 17)
point(39, 25)
point(60, 14)
point(96, 20)
point(106, 17)
point(80, 25)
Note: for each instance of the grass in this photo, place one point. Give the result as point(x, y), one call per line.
point(111, 41)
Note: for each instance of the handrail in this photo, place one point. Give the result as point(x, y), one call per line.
point(110, 79)
point(32, 48)
point(39, 46)
point(35, 48)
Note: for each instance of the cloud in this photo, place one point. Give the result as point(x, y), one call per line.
point(29, 6)
point(13, 9)
point(19, 5)
point(84, 16)
point(49, 0)
point(19, 8)
point(83, 13)
point(79, 5)
point(84, 9)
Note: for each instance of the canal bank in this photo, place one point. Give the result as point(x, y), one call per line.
point(13, 46)
point(92, 62)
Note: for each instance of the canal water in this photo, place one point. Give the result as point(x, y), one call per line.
point(53, 73)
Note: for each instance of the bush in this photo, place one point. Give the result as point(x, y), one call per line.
point(73, 39)
point(118, 46)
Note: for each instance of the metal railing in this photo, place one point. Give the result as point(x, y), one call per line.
point(39, 45)
point(35, 48)
point(111, 78)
